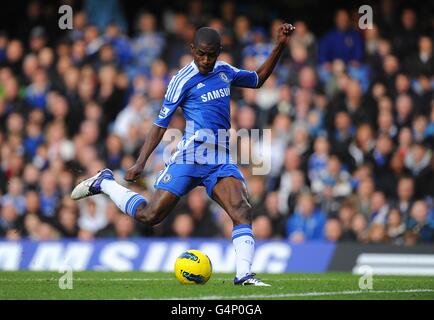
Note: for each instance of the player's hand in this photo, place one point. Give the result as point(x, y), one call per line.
point(133, 173)
point(284, 32)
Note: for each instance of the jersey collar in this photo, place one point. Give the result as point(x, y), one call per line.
point(197, 69)
point(194, 66)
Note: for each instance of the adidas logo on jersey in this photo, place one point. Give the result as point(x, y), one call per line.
point(200, 85)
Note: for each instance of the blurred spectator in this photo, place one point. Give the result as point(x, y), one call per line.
point(132, 115)
point(405, 197)
point(318, 160)
point(93, 214)
point(148, 44)
point(286, 184)
point(395, 227)
point(101, 18)
point(31, 223)
point(45, 231)
point(379, 208)
point(382, 153)
point(279, 139)
point(406, 43)
point(68, 226)
point(307, 223)
point(203, 220)
point(8, 218)
point(15, 196)
point(110, 95)
point(49, 194)
point(32, 204)
point(177, 40)
point(242, 35)
point(420, 223)
point(38, 39)
point(112, 214)
point(342, 135)
point(343, 43)
point(262, 227)
point(260, 48)
point(333, 230)
point(298, 187)
point(359, 227)
point(125, 227)
point(404, 109)
point(376, 233)
point(302, 36)
point(346, 216)
point(335, 177)
point(114, 152)
point(387, 179)
point(362, 146)
point(183, 225)
point(363, 196)
point(272, 211)
point(419, 162)
point(119, 43)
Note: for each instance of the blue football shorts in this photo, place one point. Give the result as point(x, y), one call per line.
point(180, 178)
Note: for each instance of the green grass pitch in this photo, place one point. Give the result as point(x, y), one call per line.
point(139, 285)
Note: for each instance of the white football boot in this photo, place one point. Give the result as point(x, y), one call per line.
point(250, 280)
point(92, 185)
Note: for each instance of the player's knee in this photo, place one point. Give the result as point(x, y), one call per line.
point(242, 212)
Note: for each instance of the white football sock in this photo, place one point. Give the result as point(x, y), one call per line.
point(244, 243)
point(126, 200)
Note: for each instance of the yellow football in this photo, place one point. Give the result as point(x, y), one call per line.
point(193, 267)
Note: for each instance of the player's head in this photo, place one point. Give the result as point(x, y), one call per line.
point(206, 48)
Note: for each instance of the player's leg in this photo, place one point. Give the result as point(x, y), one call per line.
point(129, 202)
point(231, 194)
point(171, 184)
point(149, 212)
point(161, 204)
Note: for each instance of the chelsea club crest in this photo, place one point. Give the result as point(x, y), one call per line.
point(224, 77)
point(167, 177)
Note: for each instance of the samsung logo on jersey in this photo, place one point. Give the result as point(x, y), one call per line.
point(215, 94)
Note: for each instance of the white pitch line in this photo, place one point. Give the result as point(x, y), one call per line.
point(145, 279)
point(83, 280)
point(101, 279)
point(303, 294)
point(172, 279)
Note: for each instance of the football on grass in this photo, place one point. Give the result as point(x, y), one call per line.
point(193, 267)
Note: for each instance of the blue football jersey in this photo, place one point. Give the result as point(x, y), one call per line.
point(204, 100)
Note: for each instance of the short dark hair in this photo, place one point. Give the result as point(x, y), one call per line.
point(207, 36)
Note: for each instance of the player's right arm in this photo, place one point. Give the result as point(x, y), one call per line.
point(151, 142)
point(172, 100)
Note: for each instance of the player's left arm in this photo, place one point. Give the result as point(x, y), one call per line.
point(267, 67)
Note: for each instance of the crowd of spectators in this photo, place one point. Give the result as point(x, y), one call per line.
point(351, 114)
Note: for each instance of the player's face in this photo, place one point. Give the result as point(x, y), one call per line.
point(205, 56)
